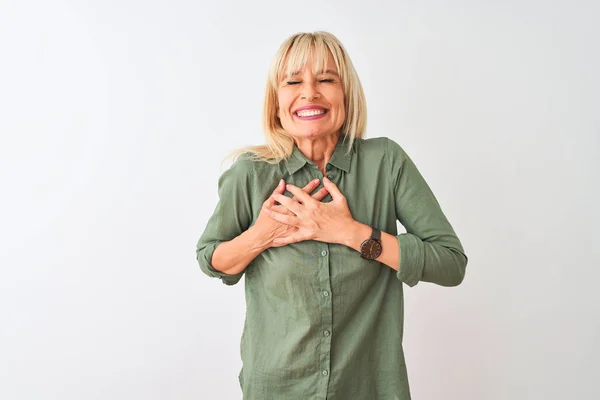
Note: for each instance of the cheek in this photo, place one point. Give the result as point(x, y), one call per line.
point(283, 101)
point(340, 106)
point(283, 112)
point(338, 99)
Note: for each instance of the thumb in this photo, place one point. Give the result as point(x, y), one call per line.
point(279, 189)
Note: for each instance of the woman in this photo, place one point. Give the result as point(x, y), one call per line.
point(324, 270)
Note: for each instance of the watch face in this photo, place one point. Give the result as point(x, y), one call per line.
point(371, 249)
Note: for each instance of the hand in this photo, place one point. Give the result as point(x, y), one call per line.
point(269, 229)
point(313, 220)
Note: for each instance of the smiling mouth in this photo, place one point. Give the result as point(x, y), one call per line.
point(311, 114)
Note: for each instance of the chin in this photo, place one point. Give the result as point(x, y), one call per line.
point(312, 133)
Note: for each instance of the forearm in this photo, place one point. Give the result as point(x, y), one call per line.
point(441, 260)
point(390, 254)
point(234, 256)
point(448, 269)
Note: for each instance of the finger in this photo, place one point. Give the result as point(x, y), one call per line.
point(274, 244)
point(336, 195)
point(293, 238)
point(281, 209)
point(320, 195)
point(283, 218)
point(310, 186)
point(288, 203)
point(299, 193)
point(270, 202)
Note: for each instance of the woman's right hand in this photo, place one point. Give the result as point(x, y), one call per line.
point(267, 228)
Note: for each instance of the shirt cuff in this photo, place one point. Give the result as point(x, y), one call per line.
point(411, 259)
point(205, 259)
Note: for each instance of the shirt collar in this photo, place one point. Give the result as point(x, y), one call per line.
point(340, 159)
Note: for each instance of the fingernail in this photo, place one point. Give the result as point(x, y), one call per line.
point(280, 182)
point(315, 180)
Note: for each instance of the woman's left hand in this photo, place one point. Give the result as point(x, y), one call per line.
point(314, 220)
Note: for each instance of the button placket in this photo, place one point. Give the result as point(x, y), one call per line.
point(326, 316)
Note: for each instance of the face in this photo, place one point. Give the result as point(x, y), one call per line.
point(311, 106)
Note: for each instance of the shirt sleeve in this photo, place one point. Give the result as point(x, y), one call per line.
point(430, 251)
point(231, 217)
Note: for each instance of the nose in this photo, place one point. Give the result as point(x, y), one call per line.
point(309, 91)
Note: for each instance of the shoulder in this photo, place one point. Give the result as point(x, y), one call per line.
point(241, 170)
point(249, 168)
point(380, 146)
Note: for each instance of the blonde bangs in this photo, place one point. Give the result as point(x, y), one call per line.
point(299, 54)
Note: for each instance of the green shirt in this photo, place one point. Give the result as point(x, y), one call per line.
point(322, 322)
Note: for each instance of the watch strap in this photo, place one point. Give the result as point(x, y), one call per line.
point(375, 234)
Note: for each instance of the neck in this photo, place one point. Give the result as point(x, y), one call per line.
point(318, 150)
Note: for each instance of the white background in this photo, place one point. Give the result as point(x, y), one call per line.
point(115, 117)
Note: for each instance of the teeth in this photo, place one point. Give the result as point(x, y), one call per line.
point(310, 113)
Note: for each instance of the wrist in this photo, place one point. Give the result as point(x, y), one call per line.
point(356, 235)
point(258, 240)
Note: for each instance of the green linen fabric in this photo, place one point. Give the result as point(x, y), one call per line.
point(322, 322)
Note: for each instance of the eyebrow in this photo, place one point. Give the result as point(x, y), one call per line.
point(329, 71)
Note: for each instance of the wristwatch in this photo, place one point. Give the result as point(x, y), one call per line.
point(371, 248)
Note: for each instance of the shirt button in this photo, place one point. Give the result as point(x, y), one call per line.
point(324, 253)
point(326, 333)
point(325, 372)
point(330, 176)
point(326, 293)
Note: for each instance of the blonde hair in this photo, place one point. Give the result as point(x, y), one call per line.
point(293, 55)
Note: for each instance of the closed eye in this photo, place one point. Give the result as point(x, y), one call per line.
point(326, 80)
point(293, 82)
